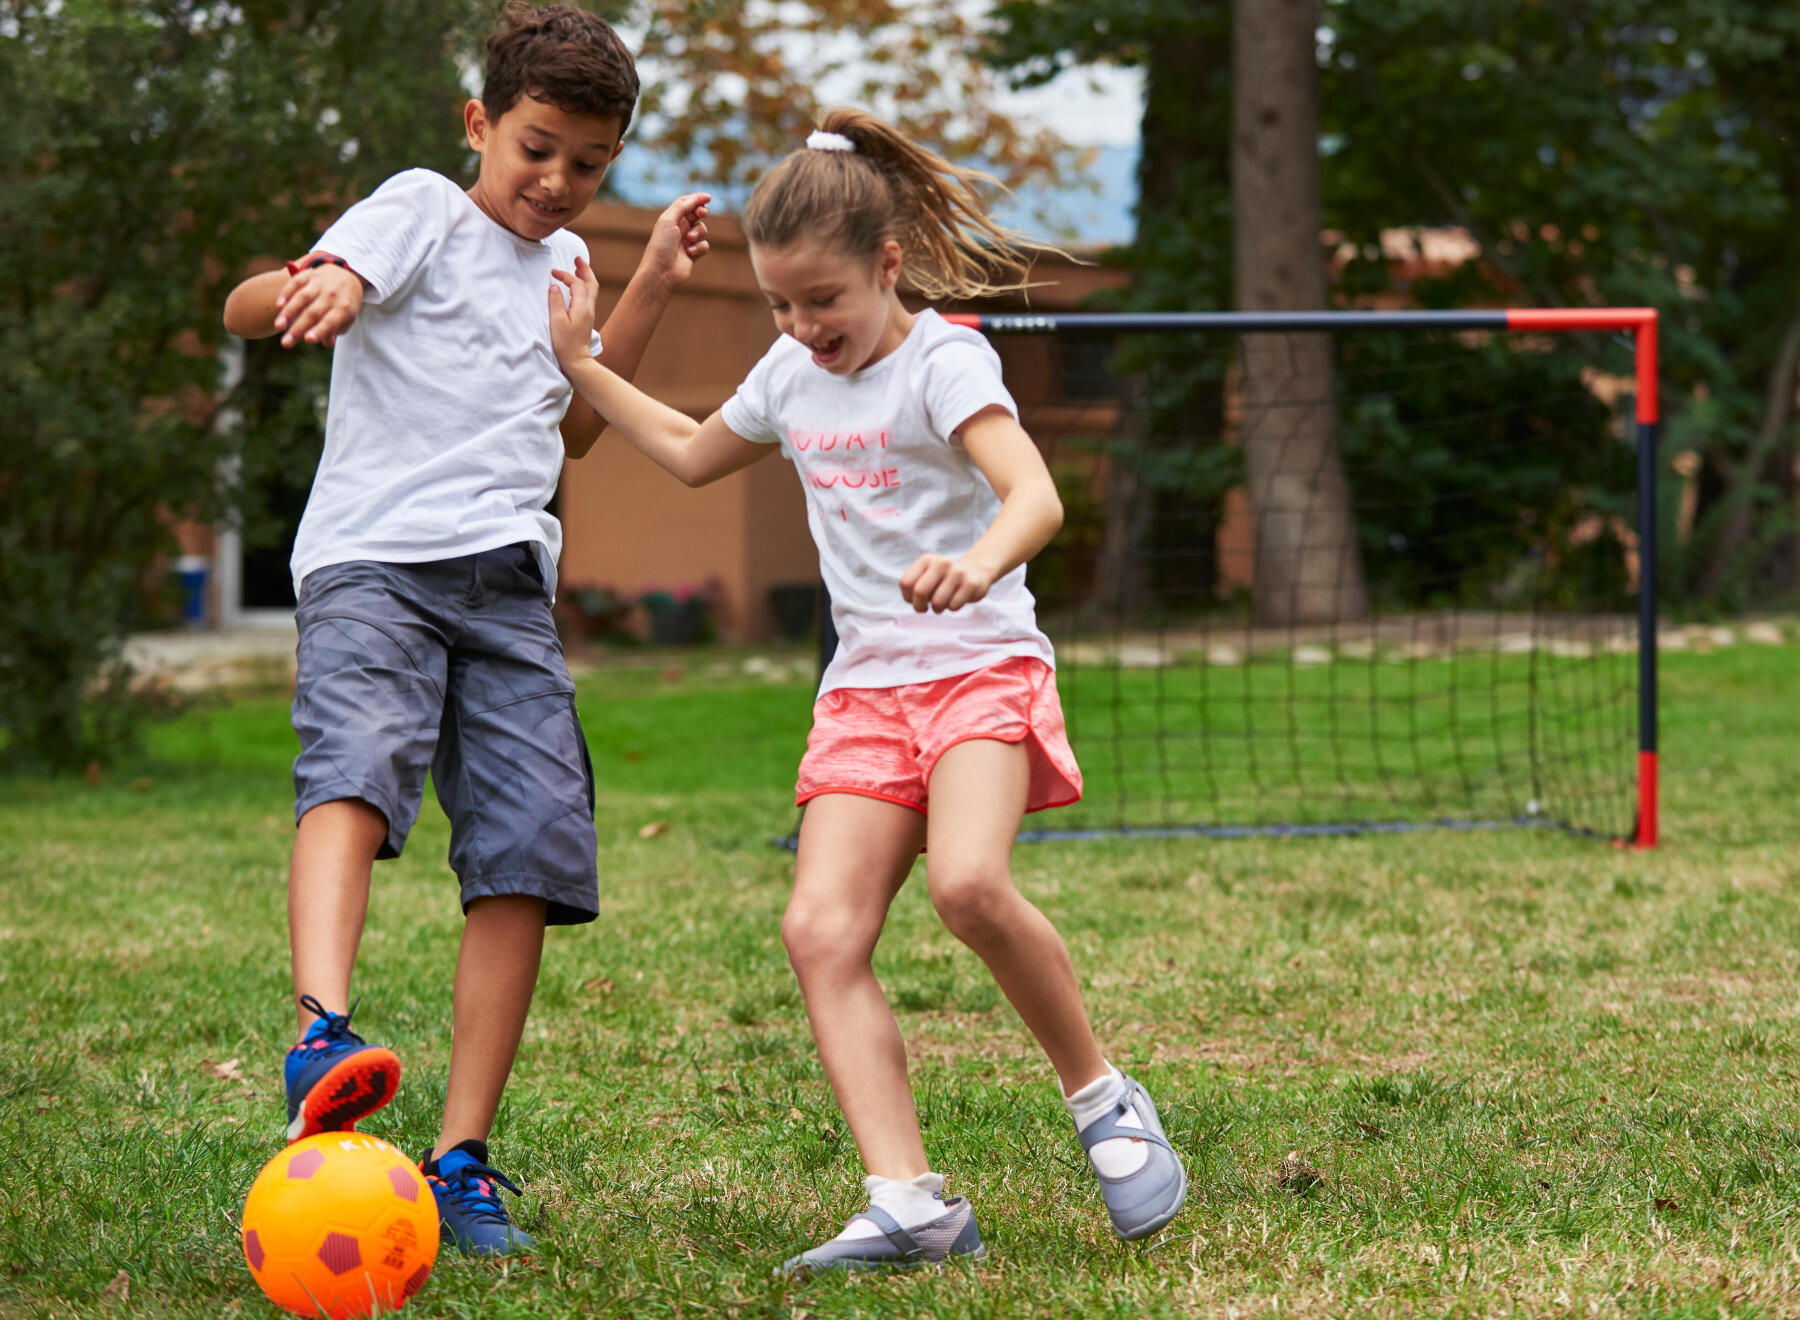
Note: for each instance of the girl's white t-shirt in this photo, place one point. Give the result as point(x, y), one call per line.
point(441, 435)
point(885, 483)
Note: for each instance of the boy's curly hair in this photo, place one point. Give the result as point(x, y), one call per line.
point(559, 54)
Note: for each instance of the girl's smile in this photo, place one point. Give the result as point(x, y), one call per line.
point(843, 309)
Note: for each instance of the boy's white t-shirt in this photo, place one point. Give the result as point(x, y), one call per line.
point(886, 483)
point(441, 435)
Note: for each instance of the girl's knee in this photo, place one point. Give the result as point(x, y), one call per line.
point(974, 901)
point(818, 935)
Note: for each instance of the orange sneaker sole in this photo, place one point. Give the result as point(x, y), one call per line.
point(351, 1091)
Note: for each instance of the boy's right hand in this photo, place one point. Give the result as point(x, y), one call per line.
point(317, 305)
point(572, 317)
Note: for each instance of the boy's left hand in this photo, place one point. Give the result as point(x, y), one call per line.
point(678, 239)
point(938, 583)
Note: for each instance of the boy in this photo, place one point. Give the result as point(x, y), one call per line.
point(425, 565)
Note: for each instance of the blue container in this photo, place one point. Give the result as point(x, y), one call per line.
point(191, 571)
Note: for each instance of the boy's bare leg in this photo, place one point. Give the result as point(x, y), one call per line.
point(978, 793)
point(855, 853)
point(328, 898)
point(496, 971)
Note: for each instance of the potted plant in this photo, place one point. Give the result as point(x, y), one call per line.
point(680, 615)
point(795, 606)
point(591, 613)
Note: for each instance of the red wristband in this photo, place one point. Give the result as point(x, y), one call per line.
point(314, 260)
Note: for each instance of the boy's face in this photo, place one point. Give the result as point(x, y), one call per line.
point(841, 307)
point(540, 166)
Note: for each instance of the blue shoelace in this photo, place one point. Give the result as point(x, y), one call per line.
point(337, 1025)
point(471, 1186)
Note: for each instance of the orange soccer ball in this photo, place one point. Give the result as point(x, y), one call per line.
point(340, 1224)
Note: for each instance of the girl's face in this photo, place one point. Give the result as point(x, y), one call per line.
point(841, 307)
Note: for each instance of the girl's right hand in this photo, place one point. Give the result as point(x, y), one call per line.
point(572, 317)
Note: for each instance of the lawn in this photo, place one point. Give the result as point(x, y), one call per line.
point(1536, 1074)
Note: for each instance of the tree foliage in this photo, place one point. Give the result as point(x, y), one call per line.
point(1618, 152)
point(155, 148)
point(1624, 152)
point(739, 83)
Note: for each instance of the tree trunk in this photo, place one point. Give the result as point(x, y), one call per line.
point(1121, 572)
point(1307, 566)
point(1179, 146)
point(1740, 488)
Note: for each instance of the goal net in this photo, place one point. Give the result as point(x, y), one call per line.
point(1336, 572)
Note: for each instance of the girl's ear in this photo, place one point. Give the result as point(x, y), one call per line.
point(888, 262)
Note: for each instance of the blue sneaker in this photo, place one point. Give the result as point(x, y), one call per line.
point(334, 1077)
point(469, 1209)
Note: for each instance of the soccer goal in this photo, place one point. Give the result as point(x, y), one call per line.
point(1342, 572)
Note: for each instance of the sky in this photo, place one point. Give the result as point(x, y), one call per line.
point(1090, 106)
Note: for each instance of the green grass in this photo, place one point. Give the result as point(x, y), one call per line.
point(1539, 1075)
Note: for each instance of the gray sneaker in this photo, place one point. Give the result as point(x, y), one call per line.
point(954, 1233)
point(1141, 1202)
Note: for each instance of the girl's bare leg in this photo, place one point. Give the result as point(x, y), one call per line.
point(978, 792)
point(855, 853)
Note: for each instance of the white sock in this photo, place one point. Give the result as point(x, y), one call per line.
point(1118, 1157)
point(913, 1202)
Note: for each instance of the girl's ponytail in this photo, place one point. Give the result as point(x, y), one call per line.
point(890, 187)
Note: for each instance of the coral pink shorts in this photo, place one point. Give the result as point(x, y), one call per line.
point(884, 742)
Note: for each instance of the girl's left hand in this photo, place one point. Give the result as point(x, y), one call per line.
point(939, 583)
point(572, 318)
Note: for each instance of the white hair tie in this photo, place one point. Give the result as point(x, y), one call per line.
point(819, 140)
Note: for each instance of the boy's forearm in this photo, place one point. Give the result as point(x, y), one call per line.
point(250, 308)
point(657, 431)
point(623, 340)
point(632, 321)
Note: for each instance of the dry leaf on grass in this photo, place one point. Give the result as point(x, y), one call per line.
point(227, 1071)
point(120, 1287)
point(1295, 1174)
point(653, 829)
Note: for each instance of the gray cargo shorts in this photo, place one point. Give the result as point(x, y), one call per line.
point(454, 667)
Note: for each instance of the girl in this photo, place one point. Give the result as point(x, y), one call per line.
point(937, 722)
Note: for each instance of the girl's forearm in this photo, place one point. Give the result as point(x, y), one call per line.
point(623, 339)
point(654, 429)
point(1029, 516)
